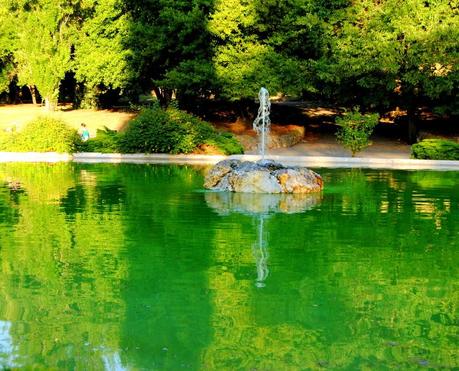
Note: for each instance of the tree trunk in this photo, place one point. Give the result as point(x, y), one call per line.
point(13, 93)
point(164, 96)
point(50, 104)
point(33, 93)
point(412, 126)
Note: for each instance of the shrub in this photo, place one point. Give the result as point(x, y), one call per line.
point(435, 149)
point(226, 143)
point(173, 131)
point(44, 134)
point(106, 141)
point(355, 130)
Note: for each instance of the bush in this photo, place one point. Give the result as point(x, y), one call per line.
point(106, 141)
point(435, 149)
point(44, 134)
point(173, 131)
point(226, 143)
point(355, 130)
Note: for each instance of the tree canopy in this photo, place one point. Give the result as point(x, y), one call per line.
point(378, 54)
point(101, 58)
point(41, 42)
point(393, 52)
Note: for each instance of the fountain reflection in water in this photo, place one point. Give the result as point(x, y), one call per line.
point(261, 206)
point(261, 255)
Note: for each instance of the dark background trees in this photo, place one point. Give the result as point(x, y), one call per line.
point(171, 47)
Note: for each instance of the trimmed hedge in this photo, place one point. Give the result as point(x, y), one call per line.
point(435, 149)
point(44, 134)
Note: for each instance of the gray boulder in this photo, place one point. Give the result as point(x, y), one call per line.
point(265, 176)
point(218, 172)
point(254, 181)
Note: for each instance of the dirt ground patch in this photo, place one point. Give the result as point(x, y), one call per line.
point(309, 132)
point(280, 136)
point(16, 116)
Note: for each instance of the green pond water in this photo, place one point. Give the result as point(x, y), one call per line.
point(135, 267)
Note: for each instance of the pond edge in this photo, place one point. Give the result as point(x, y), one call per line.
point(305, 161)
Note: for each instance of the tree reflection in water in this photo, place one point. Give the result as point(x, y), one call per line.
point(134, 267)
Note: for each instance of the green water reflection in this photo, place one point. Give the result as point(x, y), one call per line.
point(135, 267)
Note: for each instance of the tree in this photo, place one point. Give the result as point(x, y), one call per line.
point(268, 43)
point(42, 60)
point(6, 50)
point(170, 47)
point(392, 53)
point(101, 54)
point(259, 44)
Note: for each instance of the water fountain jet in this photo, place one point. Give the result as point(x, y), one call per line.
point(262, 123)
point(263, 176)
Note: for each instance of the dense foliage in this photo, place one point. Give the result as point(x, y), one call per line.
point(41, 35)
point(44, 134)
point(101, 58)
point(376, 54)
point(435, 149)
point(170, 47)
point(105, 141)
point(355, 130)
point(173, 131)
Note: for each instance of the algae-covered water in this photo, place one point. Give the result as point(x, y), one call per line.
point(135, 267)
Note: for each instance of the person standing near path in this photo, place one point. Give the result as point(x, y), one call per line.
point(84, 132)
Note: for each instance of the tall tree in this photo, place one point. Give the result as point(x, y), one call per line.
point(265, 43)
point(44, 34)
point(387, 53)
point(101, 50)
point(6, 49)
point(170, 46)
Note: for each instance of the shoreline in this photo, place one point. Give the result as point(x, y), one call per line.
point(305, 161)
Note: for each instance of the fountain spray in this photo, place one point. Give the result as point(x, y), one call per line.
point(262, 122)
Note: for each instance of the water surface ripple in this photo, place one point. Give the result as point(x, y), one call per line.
point(134, 267)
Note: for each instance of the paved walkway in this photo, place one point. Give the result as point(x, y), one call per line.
point(329, 147)
point(315, 153)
